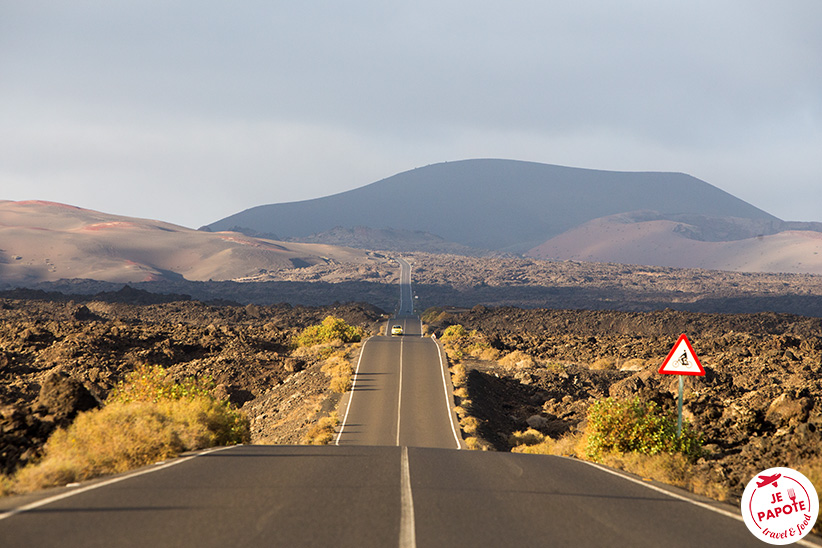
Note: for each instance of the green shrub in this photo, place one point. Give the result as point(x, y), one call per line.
point(153, 384)
point(454, 332)
point(330, 330)
point(633, 425)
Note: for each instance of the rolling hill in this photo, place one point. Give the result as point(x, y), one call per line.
point(46, 241)
point(637, 239)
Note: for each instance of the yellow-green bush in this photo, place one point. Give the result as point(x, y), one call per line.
point(460, 342)
point(331, 329)
point(148, 418)
point(454, 332)
point(633, 425)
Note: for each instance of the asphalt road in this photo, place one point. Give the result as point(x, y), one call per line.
point(373, 496)
point(395, 479)
point(401, 393)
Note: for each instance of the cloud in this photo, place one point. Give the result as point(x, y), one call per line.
point(222, 108)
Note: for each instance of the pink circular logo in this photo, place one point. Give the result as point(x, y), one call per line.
point(780, 506)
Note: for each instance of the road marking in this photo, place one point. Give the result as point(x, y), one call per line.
point(351, 396)
point(447, 402)
point(112, 481)
point(399, 395)
point(408, 533)
point(725, 513)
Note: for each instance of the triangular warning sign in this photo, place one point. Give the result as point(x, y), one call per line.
point(682, 360)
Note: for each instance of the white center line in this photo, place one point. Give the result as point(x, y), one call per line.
point(399, 399)
point(408, 533)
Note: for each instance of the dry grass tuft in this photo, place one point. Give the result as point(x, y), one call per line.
point(484, 353)
point(527, 437)
point(323, 432)
point(477, 444)
point(469, 425)
point(534, 442)
point(670, 468)
point(340, 370)
point(603, 364)
point(517, 358)
point(458, 375)
point(634, 364)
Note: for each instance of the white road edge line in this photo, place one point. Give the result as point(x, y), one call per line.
point(725, 513)
point(67, 494)
point(351, 396)
point(447, 402)
point(399, 397)
point(408, 533)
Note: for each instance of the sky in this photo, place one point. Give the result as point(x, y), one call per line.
point(190, 111)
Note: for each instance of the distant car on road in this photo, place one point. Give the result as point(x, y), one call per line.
point(396, 330)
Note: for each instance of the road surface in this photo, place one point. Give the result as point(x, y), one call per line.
point(372, 496)
point(394, 478)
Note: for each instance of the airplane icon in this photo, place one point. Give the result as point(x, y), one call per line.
point(767, 480)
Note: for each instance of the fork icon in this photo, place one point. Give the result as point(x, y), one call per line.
point(792, 494)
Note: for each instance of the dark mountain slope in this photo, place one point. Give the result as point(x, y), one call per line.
point(493, 204)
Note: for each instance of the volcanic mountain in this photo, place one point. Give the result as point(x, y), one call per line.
point(502, 205)
point(547, 211)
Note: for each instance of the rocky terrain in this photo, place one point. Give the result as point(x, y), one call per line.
point(592, 329)
point(61, 357)
point(457, 280)
point(757, 407)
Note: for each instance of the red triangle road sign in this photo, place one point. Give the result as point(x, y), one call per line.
point(682, 360)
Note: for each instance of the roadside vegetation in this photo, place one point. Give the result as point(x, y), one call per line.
point(323, 432)
point(330, 331)
point(333, 341)
point(149, 417)
point(459, 343)
point(629, 434)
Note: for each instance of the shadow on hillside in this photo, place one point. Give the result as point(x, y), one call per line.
point(385, 296)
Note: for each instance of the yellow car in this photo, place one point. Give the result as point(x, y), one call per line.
point(396, 330)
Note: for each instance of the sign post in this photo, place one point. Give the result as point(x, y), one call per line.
point(681, 361)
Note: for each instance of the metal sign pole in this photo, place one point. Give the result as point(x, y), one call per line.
point(679, 407)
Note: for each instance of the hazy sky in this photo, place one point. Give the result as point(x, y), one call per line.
point(188, 111)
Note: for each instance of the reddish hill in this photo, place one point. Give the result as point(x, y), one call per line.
point(46, 241)
point(622, 239)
